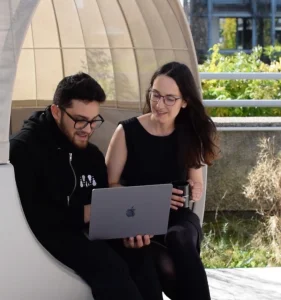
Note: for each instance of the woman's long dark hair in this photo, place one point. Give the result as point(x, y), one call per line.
point(197, 133)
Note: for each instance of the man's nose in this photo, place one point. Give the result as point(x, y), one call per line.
point(88, 128)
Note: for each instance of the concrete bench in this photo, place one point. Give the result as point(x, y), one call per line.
point(28, 271)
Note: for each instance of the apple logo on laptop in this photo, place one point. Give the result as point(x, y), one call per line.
point(130, 212)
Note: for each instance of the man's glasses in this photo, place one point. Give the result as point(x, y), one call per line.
point(169, 100)
point(95, 123)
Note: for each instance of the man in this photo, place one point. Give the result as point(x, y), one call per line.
point(56, 169)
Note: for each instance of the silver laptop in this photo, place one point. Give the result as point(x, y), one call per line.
point(128, 211)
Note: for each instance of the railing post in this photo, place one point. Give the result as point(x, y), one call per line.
point(273, 12)
point(210, 13)
point(254, 23)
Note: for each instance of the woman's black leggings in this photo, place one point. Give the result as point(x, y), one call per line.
point(177, 257)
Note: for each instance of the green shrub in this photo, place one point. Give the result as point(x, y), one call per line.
point(231, 241)
point(241, 89)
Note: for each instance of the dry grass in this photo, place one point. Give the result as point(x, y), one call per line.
point(264, 188)
point(232, 240)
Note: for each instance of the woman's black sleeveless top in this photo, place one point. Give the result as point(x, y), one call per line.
point(155, 160)
point(151, 159)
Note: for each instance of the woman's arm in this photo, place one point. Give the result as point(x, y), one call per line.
point(195, 179)
point(115, 160)
point(116, 156)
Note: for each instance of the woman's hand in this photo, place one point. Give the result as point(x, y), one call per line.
point(177, 200)
point(138, 242)
point(196, 190)
point(195, 194)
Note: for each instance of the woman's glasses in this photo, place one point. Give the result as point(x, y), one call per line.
point(168, 100)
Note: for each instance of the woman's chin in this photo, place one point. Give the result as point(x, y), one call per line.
point(161, 117)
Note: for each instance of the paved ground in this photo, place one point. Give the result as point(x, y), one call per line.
point(245, 284)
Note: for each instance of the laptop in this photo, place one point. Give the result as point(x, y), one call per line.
point(122, 212)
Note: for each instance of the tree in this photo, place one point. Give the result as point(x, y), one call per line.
point(229, 30)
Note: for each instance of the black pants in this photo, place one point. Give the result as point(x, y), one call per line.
point(177, 257)
point(111, 270)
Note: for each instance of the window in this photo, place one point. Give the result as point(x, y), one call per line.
point(277, 31)
point(236, 33)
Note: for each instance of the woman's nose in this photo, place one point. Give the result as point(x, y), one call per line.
point(160, 102)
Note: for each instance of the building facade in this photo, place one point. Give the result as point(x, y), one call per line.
point(235, 24)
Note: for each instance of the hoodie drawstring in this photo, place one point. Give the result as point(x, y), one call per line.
point(75, 179)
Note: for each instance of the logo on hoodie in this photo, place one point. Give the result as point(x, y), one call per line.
point(87, 180)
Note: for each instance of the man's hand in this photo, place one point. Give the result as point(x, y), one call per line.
point(138, 242)
point(87, 213)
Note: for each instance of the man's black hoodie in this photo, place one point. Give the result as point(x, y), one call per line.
point(54, 178)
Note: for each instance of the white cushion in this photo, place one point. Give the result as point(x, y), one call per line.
point(28, 271)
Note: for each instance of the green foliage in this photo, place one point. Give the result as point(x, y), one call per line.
point(230, 242)
point(273, 52)
point(229, 29)
point(242, 89)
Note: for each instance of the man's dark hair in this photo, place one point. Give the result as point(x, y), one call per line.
point(80, 86)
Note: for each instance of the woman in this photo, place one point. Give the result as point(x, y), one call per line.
point(170, 142)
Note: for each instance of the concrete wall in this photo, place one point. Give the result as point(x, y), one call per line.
point(226, 177)
point(239, 154)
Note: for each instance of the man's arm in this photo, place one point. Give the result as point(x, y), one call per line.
point(35, 192)
point(87, 213)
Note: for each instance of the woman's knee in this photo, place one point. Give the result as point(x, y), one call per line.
point(179, 237)
point(163, 261)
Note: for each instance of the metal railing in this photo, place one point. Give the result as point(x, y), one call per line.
point(243, 102)
point(241, 76)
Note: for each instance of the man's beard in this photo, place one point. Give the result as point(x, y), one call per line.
point(72, 137)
